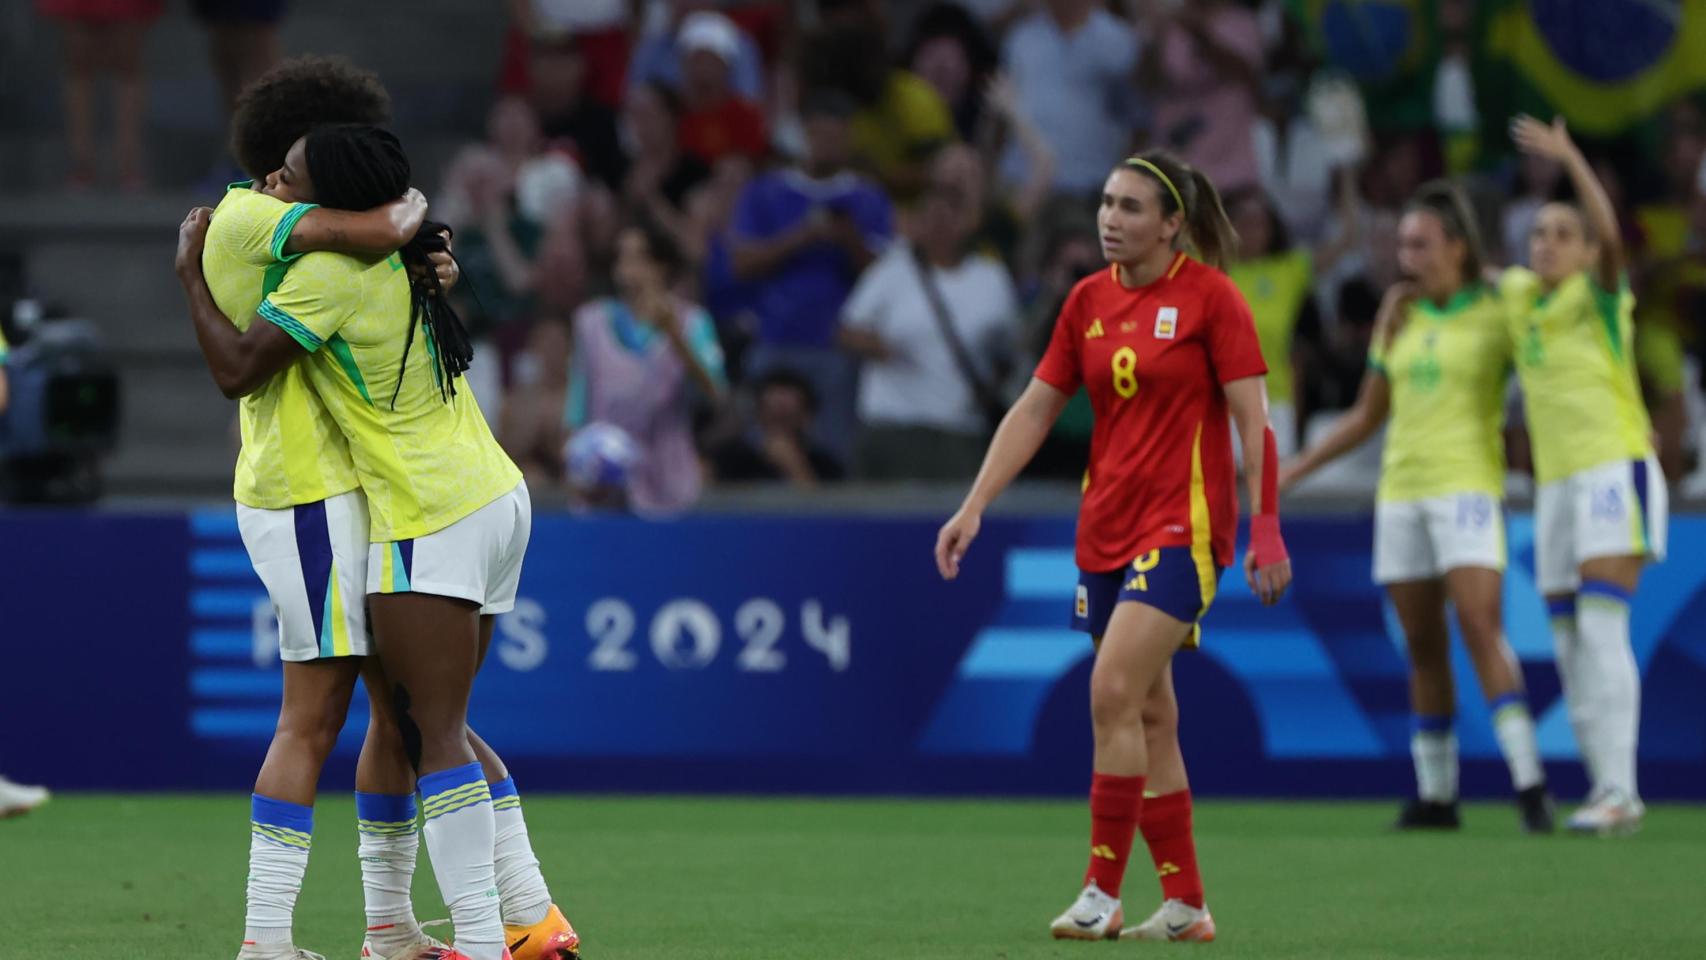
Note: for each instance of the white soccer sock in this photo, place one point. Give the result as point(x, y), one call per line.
point(279, 838)
point(521, 887)
point(1514, 729)
point(1433, 747)
point(1577, 687)
point(387, 847)
point(459, 836)
point(1613, 711)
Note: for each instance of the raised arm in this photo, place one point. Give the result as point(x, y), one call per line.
point(381, 230)
point(1003, 98)
point(1016, 441)
point(1373, 402)
point(1532, 136)
point(241, 361)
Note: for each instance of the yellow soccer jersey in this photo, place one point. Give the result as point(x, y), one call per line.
point(424, 463)
point(1575, 354)
point(1447, 368)
point(4, 349)
point(1276, 288)
point(292, 450)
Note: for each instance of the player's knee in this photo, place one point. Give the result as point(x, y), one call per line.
point(315, 733)
point(1114, 701)
point(1482, 631)
point(1160, 719)
point(1428, 651)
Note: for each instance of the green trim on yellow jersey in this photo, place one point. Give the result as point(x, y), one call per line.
point(289, 324)
point(1580, 388)
point(1607, 303)
point(292, 451)
point(425, 462)
point(340, 349)
point(281, 234)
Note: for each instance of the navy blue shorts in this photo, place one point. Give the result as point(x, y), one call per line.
point(1170, 579)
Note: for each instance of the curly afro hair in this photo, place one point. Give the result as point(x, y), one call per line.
point(295, 97)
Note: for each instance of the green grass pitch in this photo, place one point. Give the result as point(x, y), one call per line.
point(145, 877)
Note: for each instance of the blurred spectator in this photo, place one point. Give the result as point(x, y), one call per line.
point(900, 121)
point(1005, 213)
point(777, 445)
point(719, 120)
point(531, 427)
point(936, 325)
point(952, 52)
point(1308, 130)
point(1205, 68)
point(501, 196)
point(711, 213)
point(660, 174)
point(1454, 112)
point(801, 237)
point(635, 357)
point(600, 28)
point(1277, 279)
point(242, 41)
point(1070, 253)
point(105, 37)
point(1074, 64)
point(660, 56)
point(568, 111)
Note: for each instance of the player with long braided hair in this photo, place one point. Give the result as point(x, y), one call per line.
point(449, 514)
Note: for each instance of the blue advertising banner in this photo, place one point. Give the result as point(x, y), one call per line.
point(799, 655)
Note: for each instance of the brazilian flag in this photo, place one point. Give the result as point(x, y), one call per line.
point(1389, 47)
point(1605, 65)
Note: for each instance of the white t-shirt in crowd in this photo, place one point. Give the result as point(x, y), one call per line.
point(921, 385)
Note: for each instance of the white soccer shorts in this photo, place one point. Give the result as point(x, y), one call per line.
point(1422, 539)
point(312, 559)
point(1617, 509)
point(477, 558)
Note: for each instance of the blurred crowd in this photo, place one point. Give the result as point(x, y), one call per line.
point(719, 242)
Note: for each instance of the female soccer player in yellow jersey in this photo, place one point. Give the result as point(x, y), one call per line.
point(448, 512)
point(1600, 509)
point(1437, 370)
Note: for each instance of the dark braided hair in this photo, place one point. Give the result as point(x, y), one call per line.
point(357, 167)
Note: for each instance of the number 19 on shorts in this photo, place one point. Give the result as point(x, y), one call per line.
point(1125, 372)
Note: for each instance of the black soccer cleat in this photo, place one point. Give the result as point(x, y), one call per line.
point(1428, 815)
point(1539, 814)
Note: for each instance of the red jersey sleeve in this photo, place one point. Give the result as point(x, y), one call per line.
point(1233, 349)
point(1060, 366)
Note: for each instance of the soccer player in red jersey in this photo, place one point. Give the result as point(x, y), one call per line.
point(1166, 347)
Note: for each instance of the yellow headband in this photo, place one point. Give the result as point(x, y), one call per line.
point(1152, 168)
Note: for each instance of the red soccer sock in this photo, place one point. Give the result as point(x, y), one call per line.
point(1167, 829)
point(1115, 803)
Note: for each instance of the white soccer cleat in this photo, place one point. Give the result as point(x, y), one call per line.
point(1609, 813)
point(15, 798)
point(275, 951)
point(1177, 921)
point(1093, 916)
point(424, 947)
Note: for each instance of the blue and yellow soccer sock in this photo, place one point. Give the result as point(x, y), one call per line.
point(521, 887)
point(387, 845)
point(1513, 727)
point(1433, 748)
point(459, 835)
point(280, 835)
point(1609, 684)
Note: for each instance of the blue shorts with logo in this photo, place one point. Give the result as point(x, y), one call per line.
point(1173, 580)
